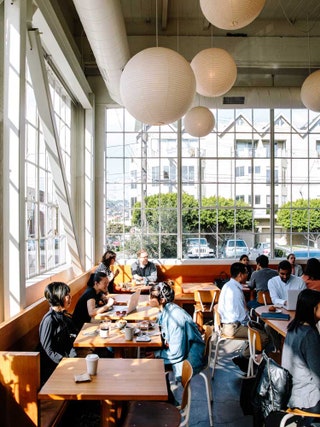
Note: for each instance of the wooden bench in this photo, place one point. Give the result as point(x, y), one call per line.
point(20, 365)
point(19, 386)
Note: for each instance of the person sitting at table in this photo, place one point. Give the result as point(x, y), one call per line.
point(143, 270)
point(296, 269)
point(107, 261)
point(57, 330)
point(245, 260)
point(234, 313)
point(181, 337)
point(88, 305)
point(311, 276)
point(300, 354)
point(278, 286)
point(259, 279)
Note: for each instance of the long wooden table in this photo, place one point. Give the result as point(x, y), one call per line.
point(116, 380)
point(278, 325)
point(191, 288)
point(89, 337)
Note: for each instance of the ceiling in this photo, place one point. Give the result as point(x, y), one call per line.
point(278, 50)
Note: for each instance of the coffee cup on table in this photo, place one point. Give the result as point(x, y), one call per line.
point(104, 329)
point(92, 363)
point(128, 333)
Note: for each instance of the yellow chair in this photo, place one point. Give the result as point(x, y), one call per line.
point(204, 303)
point(220, 337)
point(291, 413)
point(255, 348)
point(162, 414)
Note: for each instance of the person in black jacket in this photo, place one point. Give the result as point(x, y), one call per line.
point(57, 331)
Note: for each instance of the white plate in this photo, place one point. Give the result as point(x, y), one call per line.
point(278, 310)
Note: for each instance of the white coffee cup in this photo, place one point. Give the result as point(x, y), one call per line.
point(92, 363)
point(104, 329)
point(128, 333)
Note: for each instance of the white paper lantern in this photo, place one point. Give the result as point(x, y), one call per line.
point(215, 72)
point(157, 86)
point(231, 14)
point(310, 91)
point(199, 121)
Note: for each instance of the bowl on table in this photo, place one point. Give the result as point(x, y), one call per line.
point(121, 323)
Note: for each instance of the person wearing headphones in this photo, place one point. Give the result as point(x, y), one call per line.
point(57, 331)
point(180, 335)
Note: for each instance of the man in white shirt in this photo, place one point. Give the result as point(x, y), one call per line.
point(232, 305)
point(278, 286)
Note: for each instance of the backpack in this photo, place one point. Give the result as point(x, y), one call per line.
point(273, 387)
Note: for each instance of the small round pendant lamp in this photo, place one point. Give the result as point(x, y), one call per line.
point(157, 86)
point(231, 14)
point(215, 72)
point(310, 91)
point(199, 121)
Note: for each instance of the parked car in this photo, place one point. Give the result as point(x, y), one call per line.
point(198, 248)
point(264, 248)
point(234, 248)
point(307, 253)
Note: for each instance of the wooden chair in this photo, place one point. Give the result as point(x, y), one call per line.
point(298, 413)
point(162, 414)
point(255, 348)
point(204, 303)
point(220, 337)
point(263, 297)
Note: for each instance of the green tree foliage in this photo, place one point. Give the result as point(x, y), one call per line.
point(300, 215)
point(220, 214)
point(161, 213)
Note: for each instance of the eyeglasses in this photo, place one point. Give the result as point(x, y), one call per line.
point(142, 257)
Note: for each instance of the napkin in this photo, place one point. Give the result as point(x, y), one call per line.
point(82, 378)
point(275, 316)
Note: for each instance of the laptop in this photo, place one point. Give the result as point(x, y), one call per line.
point(132, 304)
point(292, 298)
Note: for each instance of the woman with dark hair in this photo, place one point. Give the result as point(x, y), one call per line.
point(57, 331)
point(107, 261)
point(88, 305)
point(300, 354)
point(181, 337)
point(311, 275)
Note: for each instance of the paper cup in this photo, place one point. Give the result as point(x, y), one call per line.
point(128, 333)
point(92, 363)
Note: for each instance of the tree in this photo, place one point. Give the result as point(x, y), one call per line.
point(301, 216)
point(161, 213)
point(222, 215)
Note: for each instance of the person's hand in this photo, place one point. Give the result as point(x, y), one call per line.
point(116, 272)
point(150, 355)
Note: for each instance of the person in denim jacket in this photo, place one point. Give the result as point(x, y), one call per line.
point(181, 337)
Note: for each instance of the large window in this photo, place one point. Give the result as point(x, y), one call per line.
point(45, 237)
point(225, 186)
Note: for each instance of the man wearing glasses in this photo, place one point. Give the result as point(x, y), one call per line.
point(143, 270)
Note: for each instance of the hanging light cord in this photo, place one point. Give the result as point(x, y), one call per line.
point(157, 44)
point(292, 21)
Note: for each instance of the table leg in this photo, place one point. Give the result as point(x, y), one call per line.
point(108, 414)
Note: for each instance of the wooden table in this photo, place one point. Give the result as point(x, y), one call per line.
point(89, 337)
point(116, 380)
point(190, 288)
point(129, 288)
point(278, 325)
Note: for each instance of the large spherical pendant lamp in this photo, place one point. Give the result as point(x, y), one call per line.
point(310, 91)
point(199, 121)
point(215, 72)
point(157, 86)
point(231, 14)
